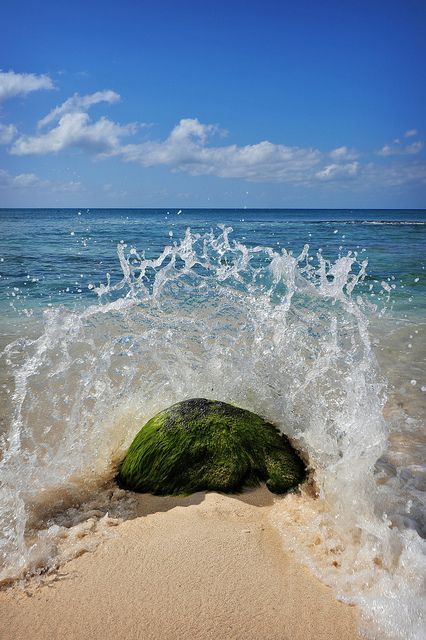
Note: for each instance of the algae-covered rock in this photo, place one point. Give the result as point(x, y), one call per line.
point(199, 445)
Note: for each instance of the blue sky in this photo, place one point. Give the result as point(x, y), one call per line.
point(213, 104)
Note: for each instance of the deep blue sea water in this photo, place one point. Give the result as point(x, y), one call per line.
point(313, 318)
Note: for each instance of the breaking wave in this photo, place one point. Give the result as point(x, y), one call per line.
point(283, 335)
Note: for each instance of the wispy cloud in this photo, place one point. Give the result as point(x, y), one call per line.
point(399, 148)
point(15, 84)
point(7, 133)
point(79, 103)
point(112, 193)
point(333, 171)
point(31, 181)
point(396, 174)
point(343, 153)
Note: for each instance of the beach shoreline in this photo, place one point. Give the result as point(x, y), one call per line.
point(201, 567)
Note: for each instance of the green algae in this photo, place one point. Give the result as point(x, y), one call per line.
point(200, 445)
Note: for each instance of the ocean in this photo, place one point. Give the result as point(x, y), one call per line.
point(314, 319)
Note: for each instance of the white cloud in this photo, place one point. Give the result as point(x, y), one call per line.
point(30, 180)
point(15, 84)
point(74, 130)
point(410, 133)
point(343, 153)
point(79, 103)
point(398, 148)
point(415, 147)
point(7, 133)
point(7, 180)
point(186, 149)
point(22, 180)
point(394, 175)
point(386, 150)
point(190, 148)
point(332, 171)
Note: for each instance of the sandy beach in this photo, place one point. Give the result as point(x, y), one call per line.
point(208, 566)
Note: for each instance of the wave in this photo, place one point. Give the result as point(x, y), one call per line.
point(284, 335)
point(374, 222)
point(390, 222)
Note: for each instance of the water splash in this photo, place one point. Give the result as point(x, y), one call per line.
point(285, 336)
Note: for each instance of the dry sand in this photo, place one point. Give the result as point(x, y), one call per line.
point(204, 567)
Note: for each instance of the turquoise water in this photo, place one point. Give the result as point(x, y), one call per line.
point(312, 318)
point(52, 256)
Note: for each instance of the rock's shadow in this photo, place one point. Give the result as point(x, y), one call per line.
point(146, 503)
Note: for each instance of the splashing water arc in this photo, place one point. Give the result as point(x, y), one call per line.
point(281, 335)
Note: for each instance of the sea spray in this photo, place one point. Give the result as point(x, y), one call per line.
point(284, 335)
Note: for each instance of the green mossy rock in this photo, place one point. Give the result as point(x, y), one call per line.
point(200, 445)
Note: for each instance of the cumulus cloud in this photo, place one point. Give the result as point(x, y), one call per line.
point(79, 103)
point(15, 84)
point(191, 147)
point(7, 133)
point(74, 130)
point(186, 149)
point(31, 181)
